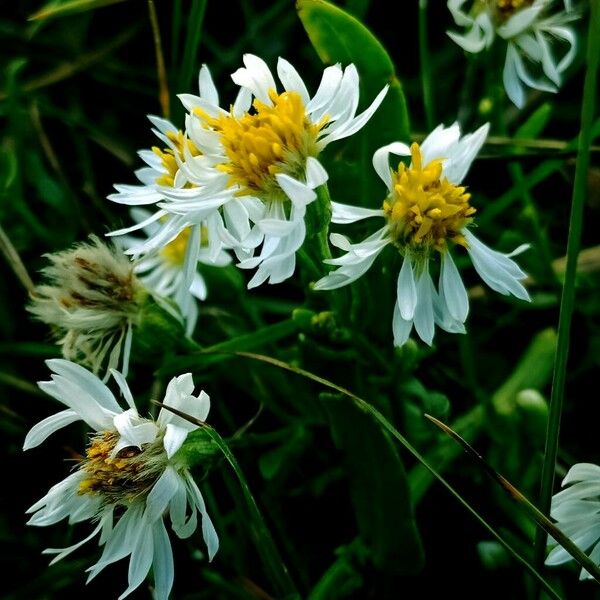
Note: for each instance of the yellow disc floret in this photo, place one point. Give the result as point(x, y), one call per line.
point(270, 140)
point(426, 211)
point(168, 157)
point(119, 476)
point(507, 8)
point(174, 251)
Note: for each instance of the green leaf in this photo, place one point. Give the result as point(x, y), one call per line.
point(339, 37)
point(379, 488)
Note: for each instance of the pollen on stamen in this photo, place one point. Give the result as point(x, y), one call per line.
point(271, 139)
point(117, 476)
point(424, 211)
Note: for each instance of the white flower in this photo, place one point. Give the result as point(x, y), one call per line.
point(576, 510)
point(426, 212)
point(130, 479)
point(528, 32)
point(175, 176)
point(163, 271)
point(91, 298)
point(269, 151)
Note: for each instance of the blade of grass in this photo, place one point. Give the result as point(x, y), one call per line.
point(385, 424)
point(14, 262)
point(163, 85)
point(68, 8)
point(539, 517)
point(262, 536)
point(192, 43)
point(568, 291)
point(68, 69)
point(425, 67)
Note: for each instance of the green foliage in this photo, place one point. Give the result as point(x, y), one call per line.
point(349, 493)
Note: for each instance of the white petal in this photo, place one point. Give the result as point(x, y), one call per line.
point(42, 430)
point(291, 80)
point(174, 438)
point(423, 319)
point(86, 380)
point(345, 213)
point(141, 557)
point(406, 290)
point(211, 539)
point(453, 289)
point(206, 86)
point(400, 327)
point(520, 21)
point(161, 493)
point(134, 430)
point(122, 383)
point(462, 155)
point(162, 562)
point(439, 143)
point(381, 162)
point(316, 174)
point(299, 193)
point(256, 76)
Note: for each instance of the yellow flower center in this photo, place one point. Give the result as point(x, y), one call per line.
point(425, 212)
point(167, 157)
point(117, 477)
point(174, 251)
point(507, 8)
point(270, 140)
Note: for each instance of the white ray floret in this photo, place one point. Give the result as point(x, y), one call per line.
point(576, 510)
point(529, 29)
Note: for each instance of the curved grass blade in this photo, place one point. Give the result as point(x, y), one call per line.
point(387, 426)
point(567, 302)
point(286, 590)
point(540, 518)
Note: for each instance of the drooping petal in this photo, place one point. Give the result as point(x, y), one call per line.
point(453, 289)
point(42, 430)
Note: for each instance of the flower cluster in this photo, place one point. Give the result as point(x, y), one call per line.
point(244, 176)
point(246, 181)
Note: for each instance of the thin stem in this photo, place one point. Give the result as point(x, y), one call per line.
point(163, 86)
point(568, 292)
point(425, 66)
point(15, 262)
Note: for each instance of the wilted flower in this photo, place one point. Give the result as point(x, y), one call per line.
point(427, 213)
point(131, 477)
point(576, 510)
point(528, 29)
point(91, 299)
point(269, 151)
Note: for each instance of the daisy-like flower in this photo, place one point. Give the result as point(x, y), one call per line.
point(91, 300)
point(175, 174)
point(528, 29)
point(427, 213)
point(130, 479)
point(576, 510)
point(163, 271)
point(269, 152)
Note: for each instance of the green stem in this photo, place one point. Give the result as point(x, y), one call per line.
point(387, 426)
point(265, 545)
point(323, 206)
point(568, 292)
point(263, 540)
point(425, 66)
